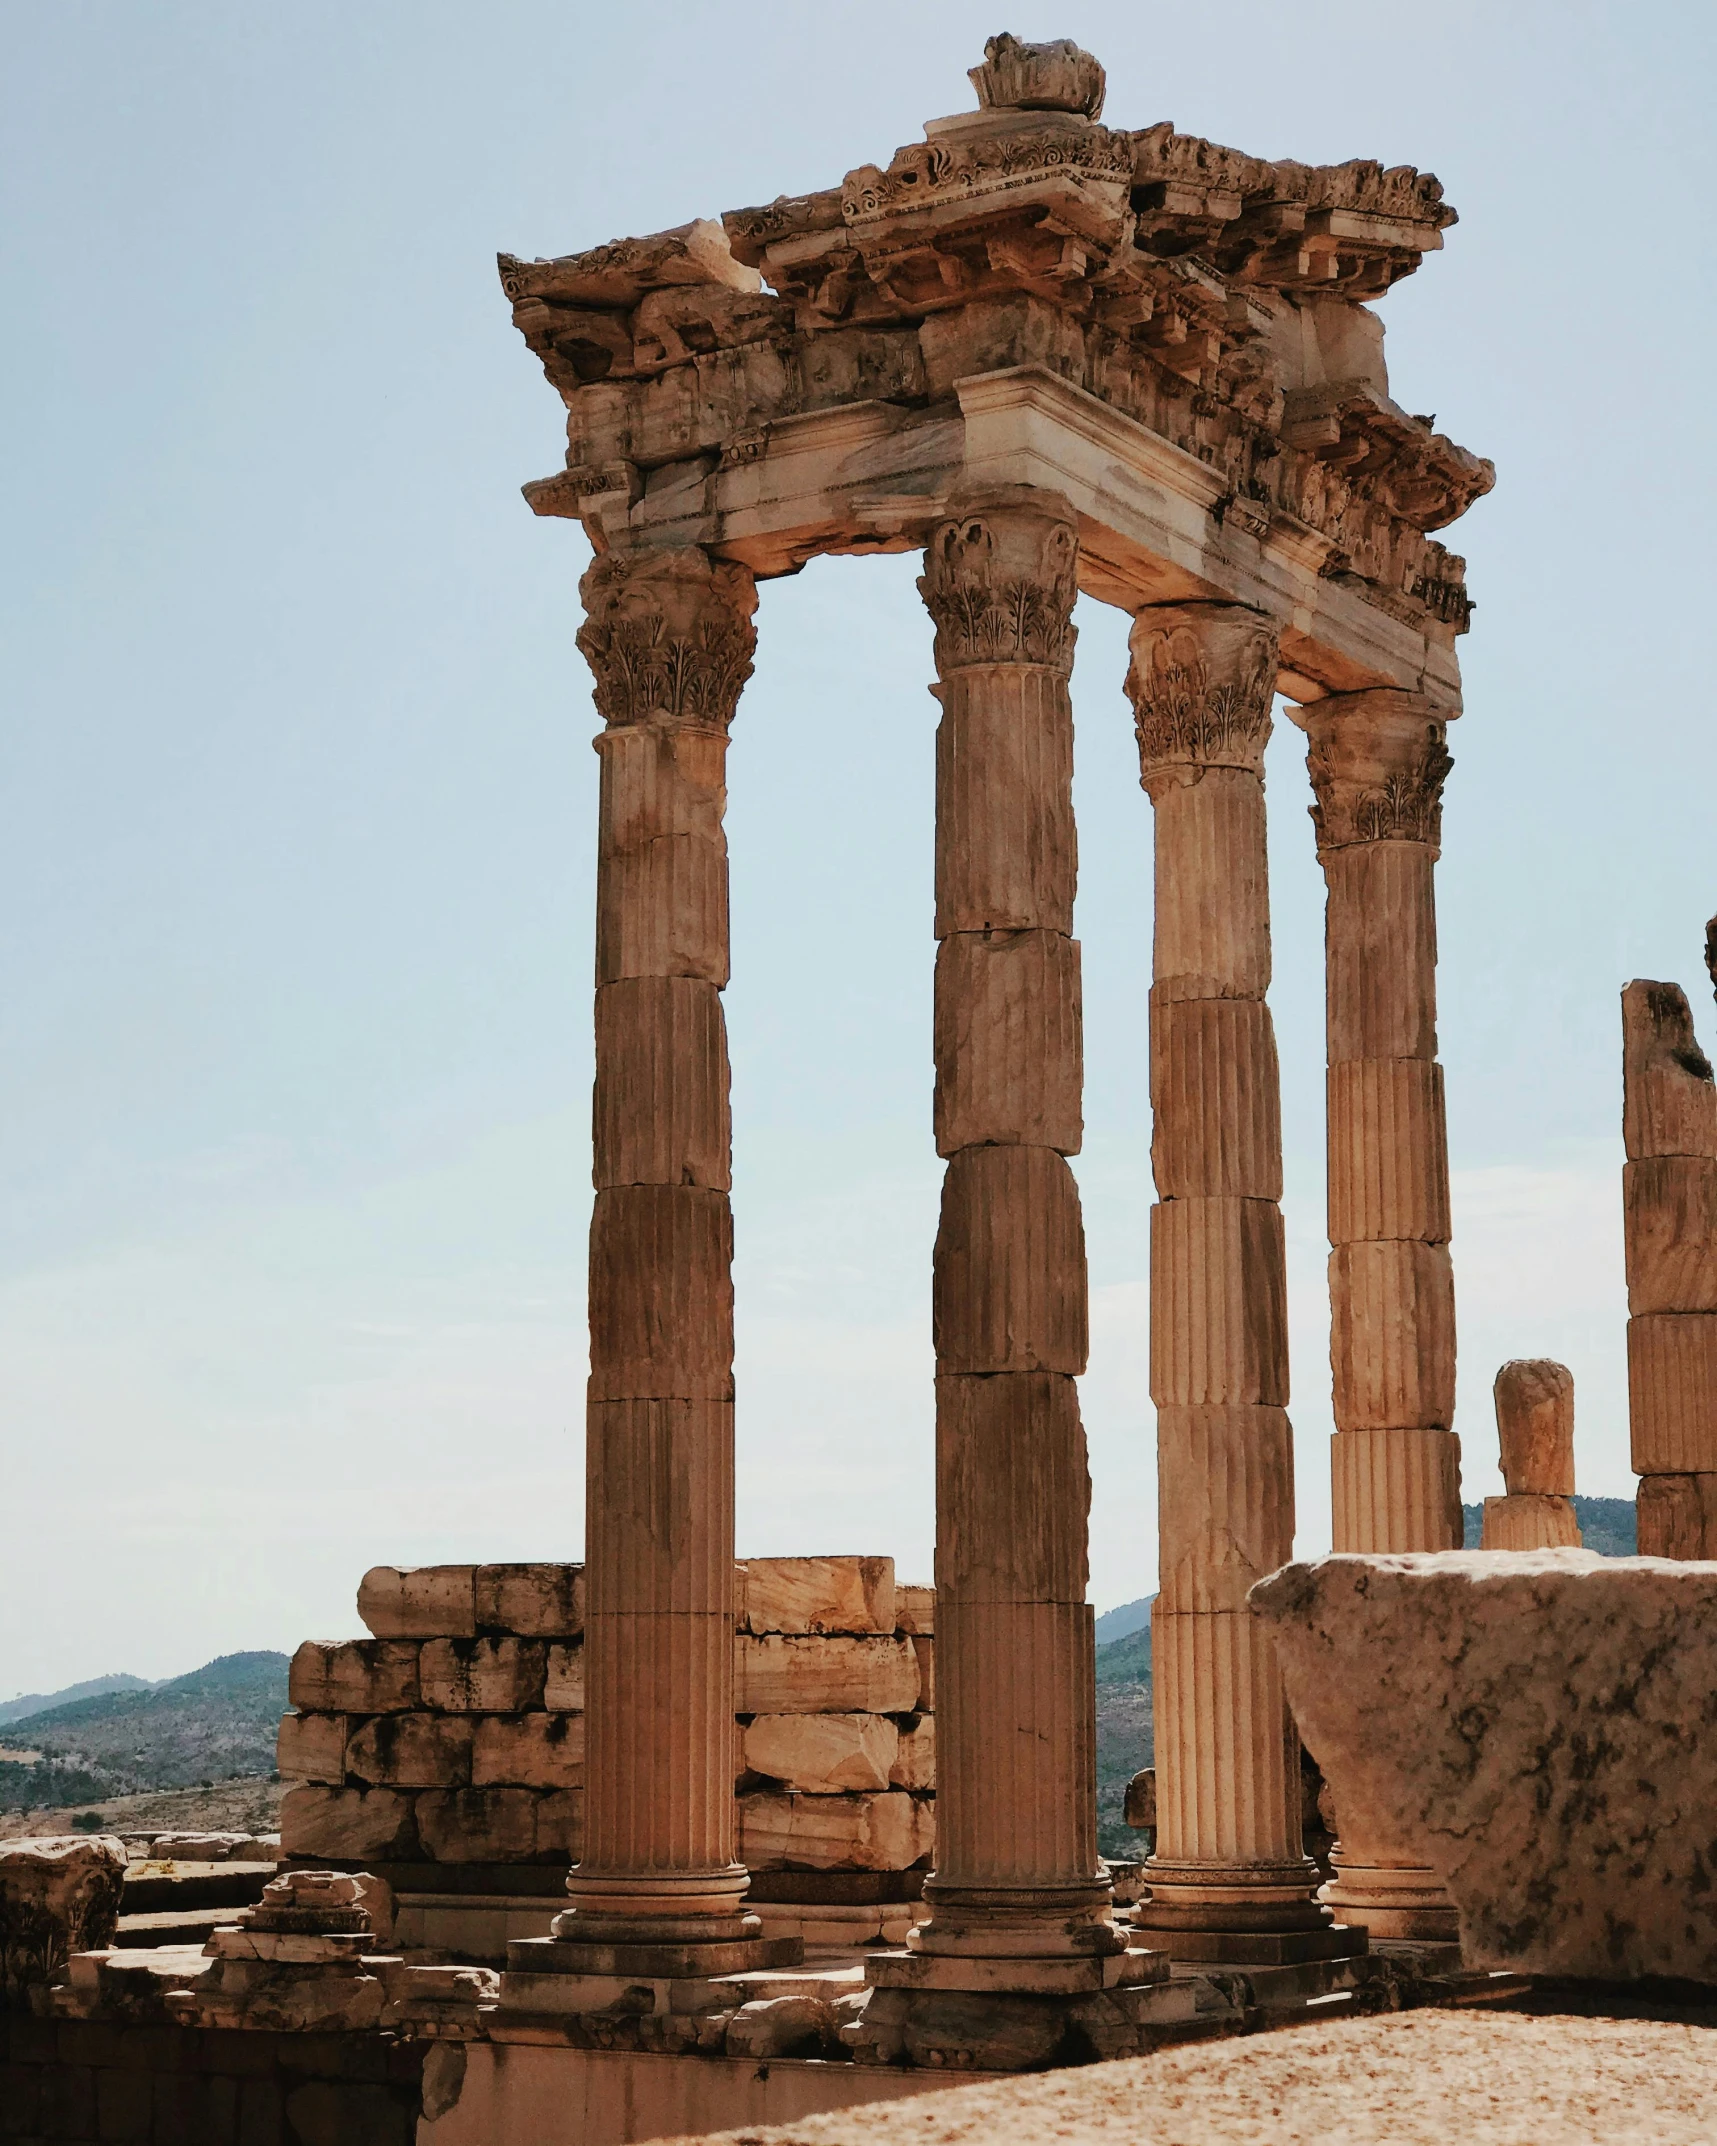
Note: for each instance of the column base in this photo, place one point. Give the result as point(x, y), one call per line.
point(657, 1924)
point(1392, 1900)
point(1018, 1922)
point(1274, 1898)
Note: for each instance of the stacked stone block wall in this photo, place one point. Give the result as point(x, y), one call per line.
point(453, 1735)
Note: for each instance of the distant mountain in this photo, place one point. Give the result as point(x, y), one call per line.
point(1606, 1525)
point(1130, 1617)
point(215, 1723)
point(1124, 1730)
point(38, 1702)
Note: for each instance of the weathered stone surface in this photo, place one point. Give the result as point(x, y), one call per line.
point(535, 1750)
point(531, 1601)
point(1535, 1426)
point(349, 1825)
point(1669, 1095)
point(425, 1602)
point(482, 1676)
point(914, 1607)
point(1008, 1286)
point(1530, 1520)
point(818, 1594)
point(1396, 1489)
point(1542, 1724)
point(778, 1674)
point(1218, 1303)
point(1009, 1063)
point(312, 1747)
point(1677, 1515)
point(563, 1687)
point(354, 1676)
point(1216, 1113)
point(891, 1831)
point(411, 1751)
point(1672, 1392)
point(1669, 1205)
point(661, 1294)
point(59, 1894)
point(499, 1825)
point(1392, 1335)
point(661, 1037)
point(822, 1754)
point(915, 1754)
point(924, 1648)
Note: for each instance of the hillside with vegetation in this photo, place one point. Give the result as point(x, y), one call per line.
point(1123, 1735)
point(215, 1724)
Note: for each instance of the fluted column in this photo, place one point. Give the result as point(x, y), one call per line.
point(1017, 1871)
point(1377, 762)
point(1230, 1879)
point(669, 638)
point(1669, 1124)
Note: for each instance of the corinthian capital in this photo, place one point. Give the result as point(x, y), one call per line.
point(1000, 581)
point(1377, 762)
point(1201, 681)
point(668, 636)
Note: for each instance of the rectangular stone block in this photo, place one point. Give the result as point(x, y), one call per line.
point(428, 1602)
point(1013, 1490)
point(536, 1750)
point(924, 1650)
point(777, 1674)
point(822, 1754)
point(818, 1594)
point(563, 1687)
point(411, 1751)
point(354, 1676)
point(1388, 1151)
point(560, 1824)
point(493, 1825)
point(1677, 1515)
point(349, 1825)
point(1225, 1503)
point(1006, 848)
point(1008, 1289)
point(1216, 1114)
point(661, 1294)
point(1392, 1335)
point(889, 1831)
point(1669, 1205)
point(660, 1111)
point(1672, 1392)
point(1009, 1057)
point(311, 1747)
point(914, 1607)
point(531, 1601)
point(1669, 1097)
point(915, 1754)
point(1219, 1332)
point(482, 1676)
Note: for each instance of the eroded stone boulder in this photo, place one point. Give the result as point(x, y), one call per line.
point(58, 1895)
point(1544, 1722)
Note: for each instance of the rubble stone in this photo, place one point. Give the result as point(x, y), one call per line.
point(59, 1894)
point(428, 1602)
point(818, 1594)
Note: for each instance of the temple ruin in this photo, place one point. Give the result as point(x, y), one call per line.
point(668, 1809)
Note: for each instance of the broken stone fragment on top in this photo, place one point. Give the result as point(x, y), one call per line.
point(1535, 1426)
point(1054, 77)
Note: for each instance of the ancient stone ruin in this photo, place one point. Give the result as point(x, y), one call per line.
point(661, 1841)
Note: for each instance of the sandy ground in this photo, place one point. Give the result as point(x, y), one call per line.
point(1527, 2078)
point(244, 1806)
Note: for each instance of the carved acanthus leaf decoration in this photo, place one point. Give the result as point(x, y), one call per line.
point(668, 637)
point(1376, 777)
point(1000, 585)
point(1201, 682)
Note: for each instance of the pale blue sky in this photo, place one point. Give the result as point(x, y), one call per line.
point(297, 800)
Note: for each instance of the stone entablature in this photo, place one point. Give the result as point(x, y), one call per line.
point(1209, 301)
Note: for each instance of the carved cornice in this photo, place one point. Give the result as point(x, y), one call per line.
point(668, 637)
point(1378, 762)
point(1201, 682)
point(1000, 582)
